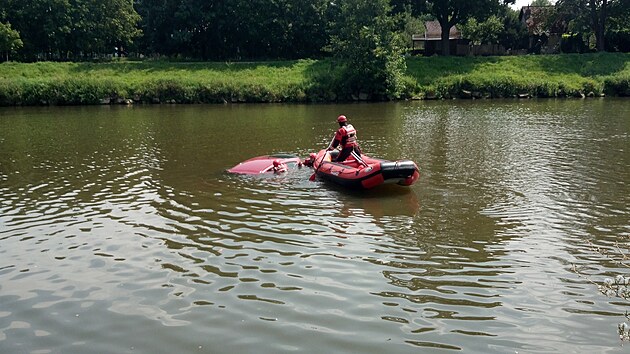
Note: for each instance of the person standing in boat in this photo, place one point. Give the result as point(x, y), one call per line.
point(346, 137)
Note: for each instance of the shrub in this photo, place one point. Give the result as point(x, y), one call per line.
point(619, 86)
point(370, 51)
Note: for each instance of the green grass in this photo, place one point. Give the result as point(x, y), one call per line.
point(563, 75)
point(151, 82)
point(566, 75)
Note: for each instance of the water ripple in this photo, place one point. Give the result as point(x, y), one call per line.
point(137, 232)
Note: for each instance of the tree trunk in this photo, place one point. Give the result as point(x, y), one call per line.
point(601, 28)
point(446, 45)
point(597, 22)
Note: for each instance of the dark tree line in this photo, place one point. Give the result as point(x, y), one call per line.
point(235, 29)
point(196, 29)
point(265, 29)
point(70, 29)
point(599, 18)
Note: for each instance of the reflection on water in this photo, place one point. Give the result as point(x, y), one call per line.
point(121, 231)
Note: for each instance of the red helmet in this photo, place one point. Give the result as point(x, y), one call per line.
point(276, 163)
point(342, 119)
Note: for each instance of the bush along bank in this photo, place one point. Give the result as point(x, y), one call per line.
point(90, 92)
point(469, 88)
point(48, 83)
point(591, 75)
point(563, 75)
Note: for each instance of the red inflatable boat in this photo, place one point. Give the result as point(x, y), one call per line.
point(365, 174)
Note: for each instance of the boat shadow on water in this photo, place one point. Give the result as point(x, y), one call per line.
point(384, 200)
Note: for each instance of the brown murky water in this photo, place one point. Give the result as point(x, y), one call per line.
point(121, 232)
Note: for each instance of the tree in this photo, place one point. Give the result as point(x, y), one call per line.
point(365, 42)
point(416, 7)
point(307, 33)
point(453, 12)
point(100, 26)
point(619, 19)
point(236, 29)
point(486, 32)
point(514, 33)
point(43, 25)
point(66, 29)
point(9, 39)
point(542, 21)
point(599, 9)
point(589, 13)
point(157, 25)
point(618, 27)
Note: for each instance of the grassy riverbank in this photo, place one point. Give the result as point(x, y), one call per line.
point(568, 75)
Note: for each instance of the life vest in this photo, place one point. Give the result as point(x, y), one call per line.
point(347, 136)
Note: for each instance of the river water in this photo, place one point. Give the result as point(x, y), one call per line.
point(120, 230)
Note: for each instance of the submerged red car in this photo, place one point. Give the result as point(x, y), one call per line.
point(266, 164)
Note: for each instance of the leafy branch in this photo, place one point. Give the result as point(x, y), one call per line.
point(618, 286)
